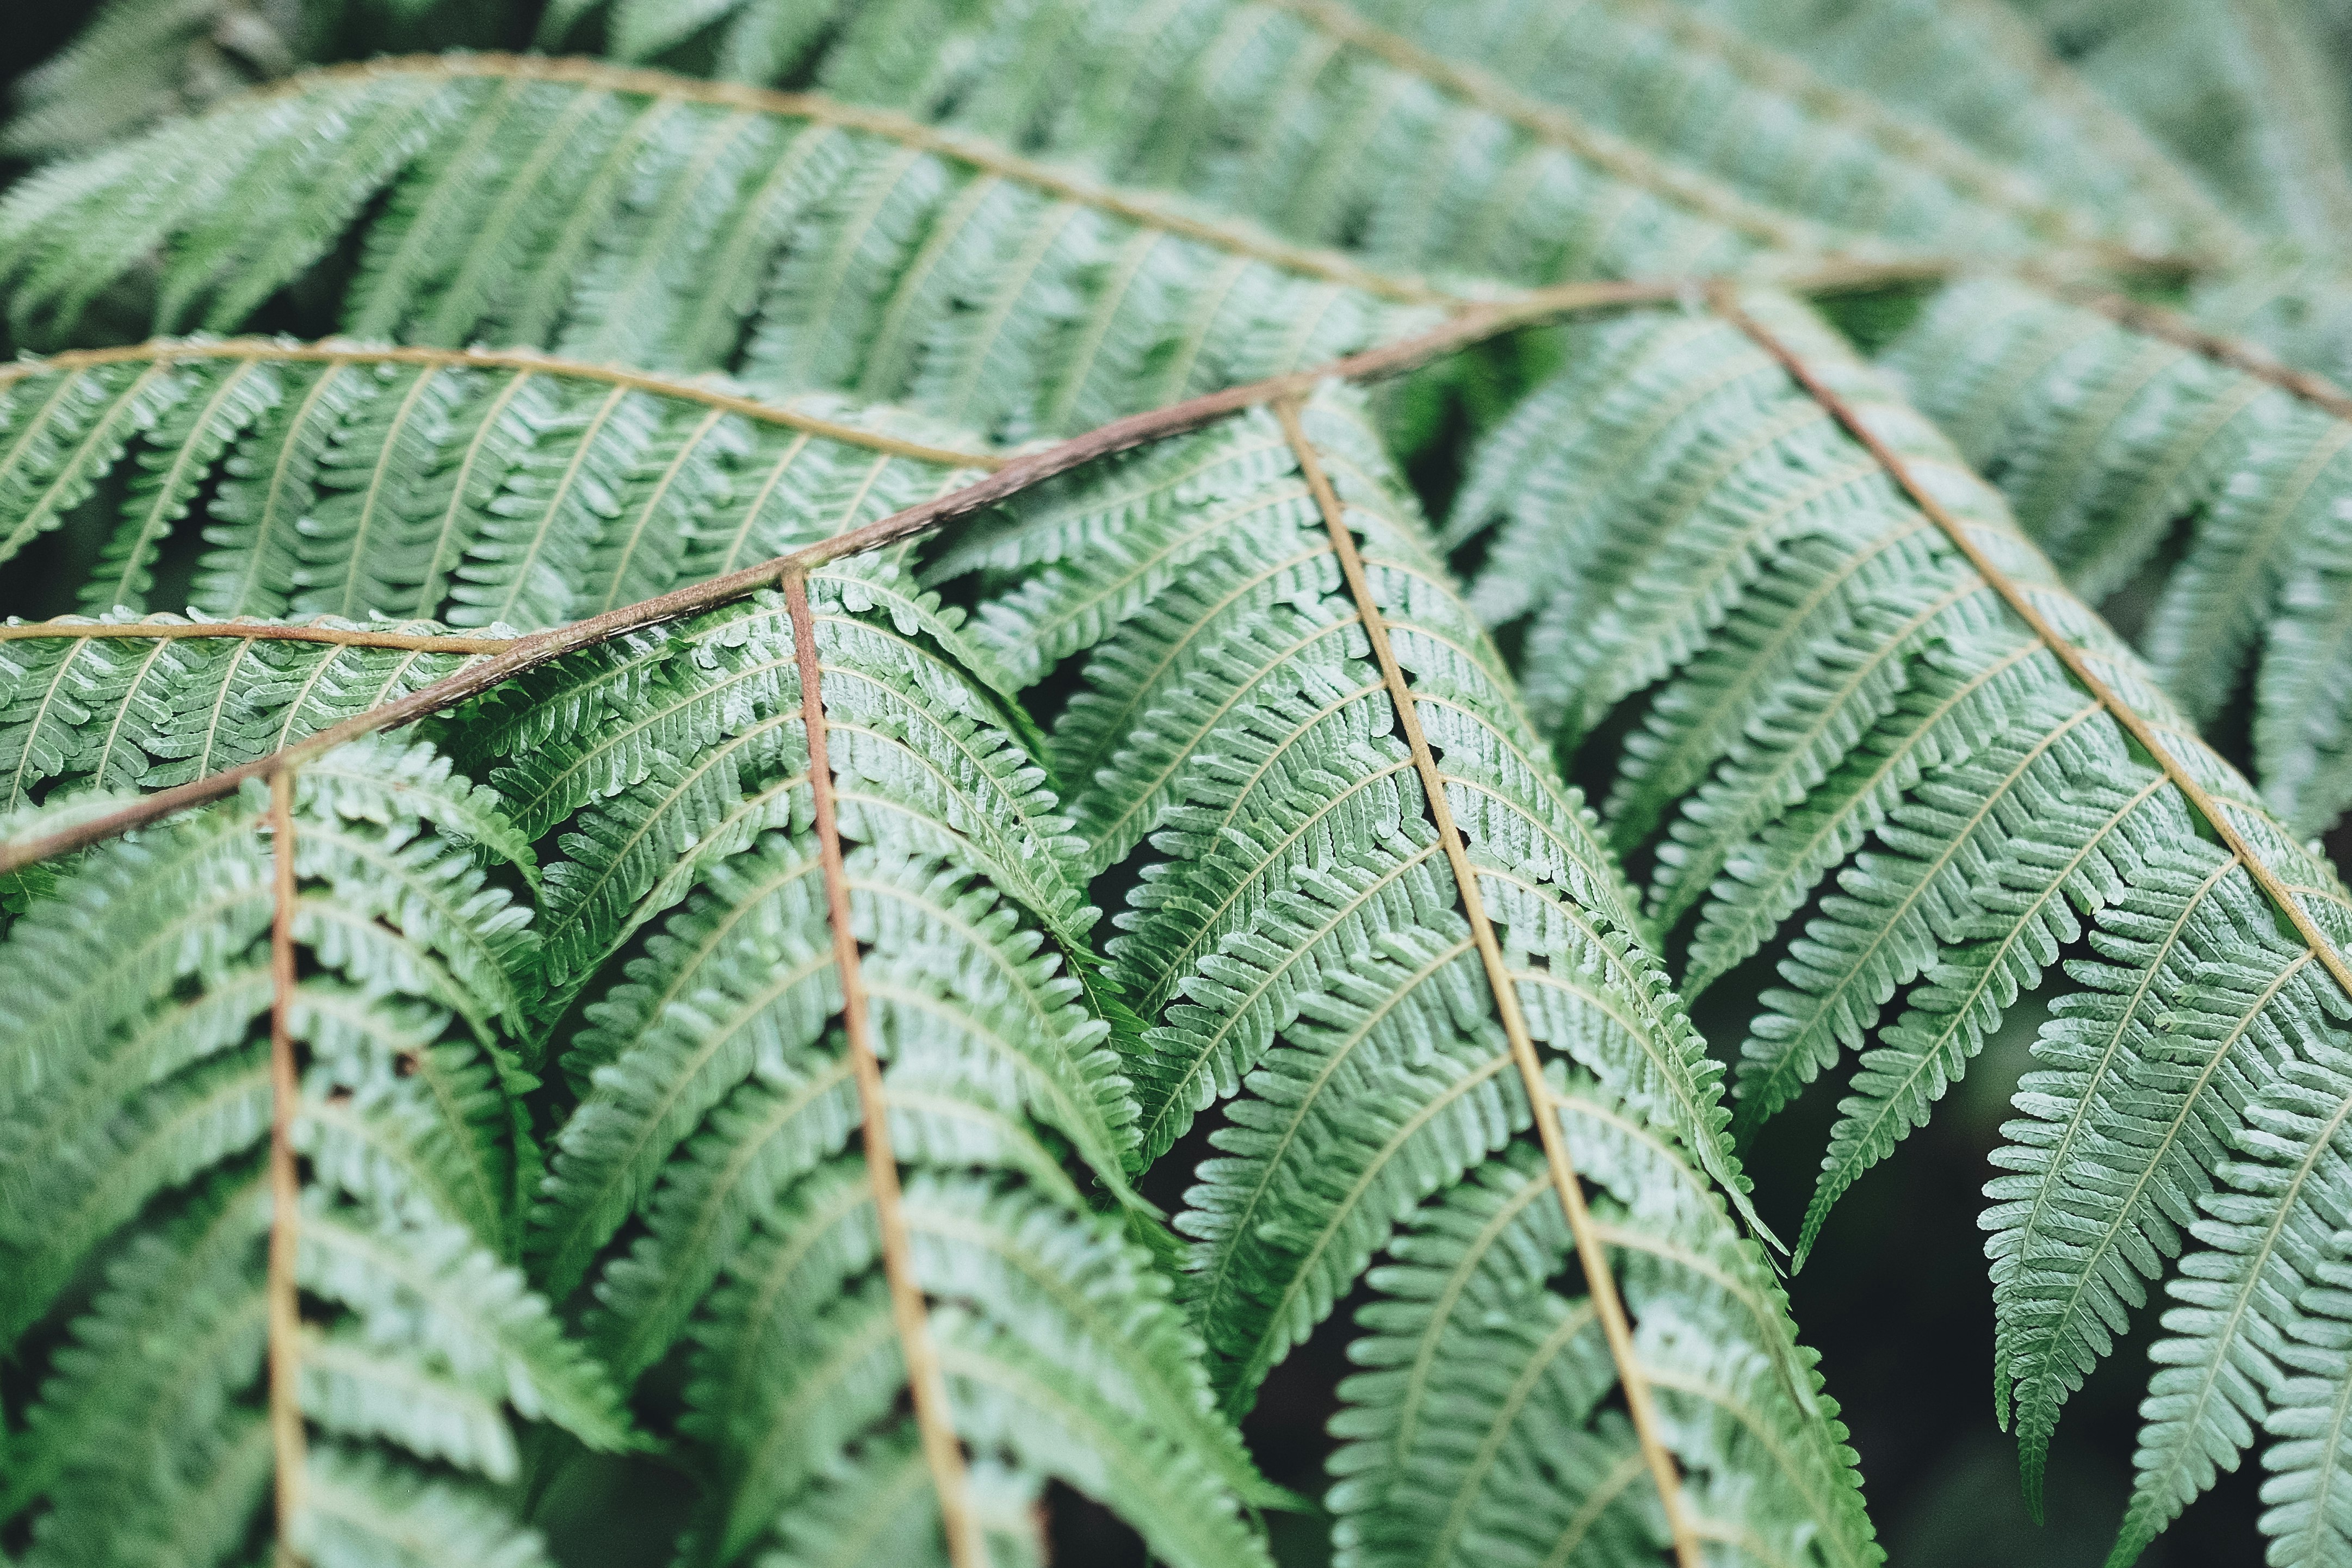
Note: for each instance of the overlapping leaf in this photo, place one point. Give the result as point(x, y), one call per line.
point(1296, 935)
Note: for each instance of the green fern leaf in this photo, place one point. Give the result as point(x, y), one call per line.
point(2107, 438)
point(136, 1219)
point(718, 1103)
point(1997, 80)
point(146, 712)
point(2266, 103)
point(1857, 734)
point(1376, 125)
point(593, 212)
point(1296, 936)
point(482, 489)
point(1980, 814)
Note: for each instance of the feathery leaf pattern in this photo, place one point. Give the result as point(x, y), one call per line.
point(539, 712)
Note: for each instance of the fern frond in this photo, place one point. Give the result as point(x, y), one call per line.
point(1094, 1355)
point(479, 488)
point(1967, 854)
point(1586, 201)
point(374, 1393)
point(719, 1101)
point(148, 710)
point(675, 741)
point(364, 1510)
point(140, 993)
point(135, 62)
point(605, 212)
point(1476, 1365)
point(2107, 438)
point(2306, 1485)
point(994, 1066)
point(1273, 739)
point(1631, 136)
point(476, 1317)
point(846, 1148)
point(875, 1514)
point(2292, 304)
point(2270, 124)
point(1468, 1351)
point(1997, 80)
point(140, 60)
point(1298, 932)
point(1237, 541)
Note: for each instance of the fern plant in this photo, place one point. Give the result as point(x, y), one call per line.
point(807, 690)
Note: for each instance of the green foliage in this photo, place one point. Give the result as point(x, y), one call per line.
point(717, 1103)
point(136, 61)
point(2243, 95)
point(1294, 942)
point(1982, 72)
point(1568, 140)
point(797, 242)
point(140, 995)
point(1848, 748)
point(93, 711)
point(140, 59)
point(587, 1135)
point(1475, 1427)
point(350, 481)
point(2104, 441)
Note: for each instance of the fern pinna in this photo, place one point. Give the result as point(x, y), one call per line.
point(1370, 945)
point(630, 855)
point(775, 1269)
point(161, 995)
point(1853, 664)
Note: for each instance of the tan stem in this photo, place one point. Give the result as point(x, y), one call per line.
point(942, 1451)
point(283, 1307)
point(255, 632)
point(1591, 1251)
